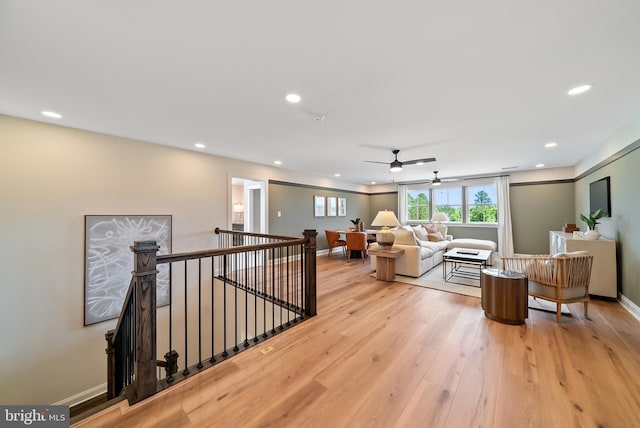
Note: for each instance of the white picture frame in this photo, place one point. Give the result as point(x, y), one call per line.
point(319, 208)
point(332, 206)
point(342, 207)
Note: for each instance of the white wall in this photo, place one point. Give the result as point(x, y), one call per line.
point(50, 178)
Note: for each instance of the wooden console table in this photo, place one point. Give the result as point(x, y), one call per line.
point(386, 263)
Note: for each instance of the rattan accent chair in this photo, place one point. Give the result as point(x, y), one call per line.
point(333, 240)
point(561, 278)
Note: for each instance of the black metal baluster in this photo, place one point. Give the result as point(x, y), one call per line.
point(273, 291)
point(235, 302)
point(199, 366)
point(255, 296)
point(280, 285)
point(186, 371)
point(225, 354)
point(246, 300)
point(213, 310)
point(289, 272)
point(265, 271)
point(170, 379)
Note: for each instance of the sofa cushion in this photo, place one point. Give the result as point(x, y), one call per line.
point(426, 252)
point(477, 244)
point(420, 233)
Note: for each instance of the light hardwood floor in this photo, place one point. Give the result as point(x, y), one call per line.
point(395, 355)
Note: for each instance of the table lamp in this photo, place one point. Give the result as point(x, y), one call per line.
point(385, 237)
point(439, 217)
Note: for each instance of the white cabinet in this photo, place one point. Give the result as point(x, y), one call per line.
point(603, 271)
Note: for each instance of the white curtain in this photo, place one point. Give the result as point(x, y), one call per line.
point(402, 203)
point(505, 234)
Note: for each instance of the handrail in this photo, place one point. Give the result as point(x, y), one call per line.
point(169, 258)
point(280, 276)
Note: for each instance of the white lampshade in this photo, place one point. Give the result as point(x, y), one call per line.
point(385, 219)
point(439, 216)
point(238, 208)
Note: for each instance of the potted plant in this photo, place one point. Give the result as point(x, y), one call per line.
point(591, 222)
point(356, 222)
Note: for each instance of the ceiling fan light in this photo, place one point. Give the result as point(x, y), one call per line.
point(395, 166)
point(436, 182)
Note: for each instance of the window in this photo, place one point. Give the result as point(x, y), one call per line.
point(465, 204)
point(449, 201)
point(481, 203)
point(418, 204)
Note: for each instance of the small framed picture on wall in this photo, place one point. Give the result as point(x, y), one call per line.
point(318, 206)
point(342, 207)
point(332, 206)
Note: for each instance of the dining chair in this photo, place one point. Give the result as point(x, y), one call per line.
point(333, 240)
point(356, 241)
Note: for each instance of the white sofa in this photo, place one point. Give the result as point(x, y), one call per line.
point(421, 254)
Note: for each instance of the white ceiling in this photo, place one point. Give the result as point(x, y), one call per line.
point(479, 85)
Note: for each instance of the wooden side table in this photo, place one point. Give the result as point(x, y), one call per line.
point(505, 295)
point(386, 263)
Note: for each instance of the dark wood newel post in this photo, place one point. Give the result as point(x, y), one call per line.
point(310, 272)
point(146, 382)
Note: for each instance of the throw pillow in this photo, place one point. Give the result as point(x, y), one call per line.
point(420, 233)
point(430, 228)
point(404, 237)
point(436, 237)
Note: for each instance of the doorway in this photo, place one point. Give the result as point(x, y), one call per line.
point(248, 205)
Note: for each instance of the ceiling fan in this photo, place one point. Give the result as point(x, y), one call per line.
point(435, 181)
point(396, 165)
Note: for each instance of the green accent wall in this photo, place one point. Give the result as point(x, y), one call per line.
point(536, 209)
point(295, 204)
point(623, 226)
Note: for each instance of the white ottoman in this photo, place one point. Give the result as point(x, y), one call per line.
point(476, 244)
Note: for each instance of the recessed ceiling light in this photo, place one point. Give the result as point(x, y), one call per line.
point(277, 162)
point(579, 89)
point(52, 114)
point(373, 182)
point(540, 165)
point(200, 145)
point(293, 98)
point(551, 144)
point(337, 174)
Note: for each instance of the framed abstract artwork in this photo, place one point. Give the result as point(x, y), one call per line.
point(109, 260)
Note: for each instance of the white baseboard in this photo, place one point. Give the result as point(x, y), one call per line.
point(83, 396)
point(631, 307)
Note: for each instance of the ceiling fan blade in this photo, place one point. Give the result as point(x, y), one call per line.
point(415, 161)
point(384, 163)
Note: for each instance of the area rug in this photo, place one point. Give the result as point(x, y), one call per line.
point(433, 279)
